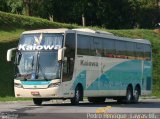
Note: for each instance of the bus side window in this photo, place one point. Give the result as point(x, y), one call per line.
point(70, 45)
point(130, 50)
point(109, 48)
point(139, 50)
point(147, 52)
point(98, 46)
point(68, 63)
point(120, 49)
point(83, 45)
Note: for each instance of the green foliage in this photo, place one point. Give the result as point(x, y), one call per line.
point(112, 14)
point(16, 6)
point(9, 21)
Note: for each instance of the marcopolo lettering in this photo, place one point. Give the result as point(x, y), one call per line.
point(38, 47)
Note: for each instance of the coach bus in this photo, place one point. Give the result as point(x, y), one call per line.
point(77, 63)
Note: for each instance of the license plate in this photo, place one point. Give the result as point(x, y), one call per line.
point(35, 93)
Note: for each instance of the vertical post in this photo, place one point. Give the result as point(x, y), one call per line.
point(83, 20)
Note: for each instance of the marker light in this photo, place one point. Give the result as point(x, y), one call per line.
point(54, 85)
point(18, 85)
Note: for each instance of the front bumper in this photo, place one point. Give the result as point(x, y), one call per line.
point(54, 92)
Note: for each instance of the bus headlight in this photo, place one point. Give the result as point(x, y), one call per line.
point(54, 85)
point(18, 85)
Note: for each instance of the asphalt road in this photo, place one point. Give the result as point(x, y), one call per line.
point(63, 109)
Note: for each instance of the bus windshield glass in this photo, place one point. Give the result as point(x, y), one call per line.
point(37, 57)
point(38, 65)
point(43, 41)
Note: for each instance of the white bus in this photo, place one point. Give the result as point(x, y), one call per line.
point(76, 63)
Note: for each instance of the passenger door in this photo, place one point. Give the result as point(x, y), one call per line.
point(68, 64)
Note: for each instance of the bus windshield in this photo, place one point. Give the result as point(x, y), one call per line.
point(38, 65)
point(37, 56)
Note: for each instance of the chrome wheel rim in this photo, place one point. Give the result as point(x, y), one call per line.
point(129, 96)
point(136, 95)
point(77, 95)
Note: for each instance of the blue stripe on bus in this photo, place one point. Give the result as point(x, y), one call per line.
point(35, 82)
point(81, 78)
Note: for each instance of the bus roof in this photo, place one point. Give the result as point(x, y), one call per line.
point(109, 35)
point(86, 31)
point(60, 30)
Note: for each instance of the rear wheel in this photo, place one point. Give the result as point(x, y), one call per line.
point(37, 101)
point(77, 96)
point(96, 99)
point(136, 95)
point(129, 95)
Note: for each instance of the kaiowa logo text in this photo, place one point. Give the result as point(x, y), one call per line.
point(38, 47)
point(88, 63)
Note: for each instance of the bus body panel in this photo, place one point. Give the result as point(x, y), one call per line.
point(112, 76)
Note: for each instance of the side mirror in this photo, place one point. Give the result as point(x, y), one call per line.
point(9, 54)
point(61, 53)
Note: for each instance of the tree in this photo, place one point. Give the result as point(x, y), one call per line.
point(15, 6)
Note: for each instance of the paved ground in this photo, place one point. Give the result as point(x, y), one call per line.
point(54, 107)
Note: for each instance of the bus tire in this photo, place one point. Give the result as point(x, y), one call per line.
point(96, 99)
point(136, 94)
point(129, 95)
point(37, 101)
point(77, 96)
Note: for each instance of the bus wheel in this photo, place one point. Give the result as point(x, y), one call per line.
point(96, 99)
point(37, 101)
point(129, 95)
point(77, 96)
point(136, 95)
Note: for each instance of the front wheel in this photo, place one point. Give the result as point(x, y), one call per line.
point(37, 101)
point(77, 96)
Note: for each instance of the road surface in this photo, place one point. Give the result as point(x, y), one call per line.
point(27, 109)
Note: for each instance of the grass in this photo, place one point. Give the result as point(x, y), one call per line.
point(8, 36)
point(11, 26)
point(9, 98)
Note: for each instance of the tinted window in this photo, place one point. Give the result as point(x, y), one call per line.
point(147, 52)
point(70, 45)
point(120, 49)
point(97, 46)
point(130, 50)
point(83, 45)
point(139, 50)
point(108, 47)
